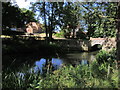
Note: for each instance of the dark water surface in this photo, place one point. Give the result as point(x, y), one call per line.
point(37, 63)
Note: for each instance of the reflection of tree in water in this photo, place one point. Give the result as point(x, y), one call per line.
point(76, 61)
point(84, 62)
point(48, 66)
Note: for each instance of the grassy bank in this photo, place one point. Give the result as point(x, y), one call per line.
point(29, 46)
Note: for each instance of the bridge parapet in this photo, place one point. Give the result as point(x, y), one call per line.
point(74, 43)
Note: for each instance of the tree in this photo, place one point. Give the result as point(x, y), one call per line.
point(98, 22)
point(41, 9)
point(49, 11)
point(118, 34)
point(15, 17)
point(9, 15)
point(71, 17)
point(45, 22)
point(91, 17)
point(26, 16)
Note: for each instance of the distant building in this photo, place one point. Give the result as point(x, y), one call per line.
point(33, 27)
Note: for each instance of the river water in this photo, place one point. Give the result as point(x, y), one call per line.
point(37, 63)
point(69, 59)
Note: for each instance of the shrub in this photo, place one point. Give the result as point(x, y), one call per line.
point(80, 76)
point(104, 56)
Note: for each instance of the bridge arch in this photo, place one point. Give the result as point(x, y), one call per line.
point(96, 47)
point(95, 41)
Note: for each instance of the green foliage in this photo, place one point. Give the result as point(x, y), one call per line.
point(50, 12)
point(93, 17)
point(71, 17)
point(99, 18)
point(23, 79)
point(13, 16)
point(106, 67)
point(101, 70)
point(103, 75)
point(66, 77)
point(104, 56)
point(60, 34)
point(79, 77)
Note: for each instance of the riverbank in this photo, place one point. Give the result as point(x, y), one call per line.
point(17, 46)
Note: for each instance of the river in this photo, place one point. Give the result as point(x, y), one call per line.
point(37, 63)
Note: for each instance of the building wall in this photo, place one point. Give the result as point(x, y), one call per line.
point(33, 27)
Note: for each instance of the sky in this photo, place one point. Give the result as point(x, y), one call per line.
point(23, 4)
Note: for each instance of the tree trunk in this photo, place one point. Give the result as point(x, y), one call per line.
point(50, 34)
point(51, 25)
point(46, 30)
point(1, 41)
point(50, 31)
point(73, 32)
point(118, 35)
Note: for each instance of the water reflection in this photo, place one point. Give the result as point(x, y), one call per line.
point(43, 65)
point(47, 64)
point(57, 63)
point(39, 65)
point(84, 62)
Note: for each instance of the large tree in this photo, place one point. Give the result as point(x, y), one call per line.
point(13, 16)
point(118, 34)
point(71, 17)
point(99, 18)
point(50, 13)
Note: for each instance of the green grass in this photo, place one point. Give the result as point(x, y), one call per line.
point(29, 46)
point(60, 35)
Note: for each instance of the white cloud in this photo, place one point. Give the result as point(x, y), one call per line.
point(23, 3)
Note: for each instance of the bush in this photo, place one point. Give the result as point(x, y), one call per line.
point(81, 76)
point(104, 56)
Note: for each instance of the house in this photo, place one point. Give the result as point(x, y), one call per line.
point(33, 27)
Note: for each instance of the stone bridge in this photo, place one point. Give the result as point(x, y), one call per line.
point(85, 45)
point(79, 44)
point(99, 41)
